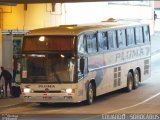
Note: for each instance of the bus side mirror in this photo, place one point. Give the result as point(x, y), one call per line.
point(82, 65)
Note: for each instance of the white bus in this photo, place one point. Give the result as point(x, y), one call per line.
point(74, 63)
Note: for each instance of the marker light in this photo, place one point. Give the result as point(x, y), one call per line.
point(69, 90)
point(27, 90)
point(42, 38)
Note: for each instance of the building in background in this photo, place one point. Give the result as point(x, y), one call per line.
point(32, 16)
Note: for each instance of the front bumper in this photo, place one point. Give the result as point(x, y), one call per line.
point(51, 98)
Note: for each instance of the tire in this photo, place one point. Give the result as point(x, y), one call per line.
point(136, 79)
point(90, 94)
point(129, 82)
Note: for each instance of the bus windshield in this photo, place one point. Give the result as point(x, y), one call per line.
point(48, 68)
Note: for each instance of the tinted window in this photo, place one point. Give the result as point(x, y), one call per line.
point(111, 39)
point(130, 36)
point(139, 35)
point(146, 33)
point(81, 44)
point(121, 38)
point(102, 40)
point(92, 43)
point(65, 43)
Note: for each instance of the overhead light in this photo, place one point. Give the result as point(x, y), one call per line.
point(42, 38)
point(62, 56)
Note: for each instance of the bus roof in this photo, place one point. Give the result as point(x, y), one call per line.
point(74, 30)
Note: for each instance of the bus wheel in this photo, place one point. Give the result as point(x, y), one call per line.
point(136, 79)
point(90, 94)
point(129, 82)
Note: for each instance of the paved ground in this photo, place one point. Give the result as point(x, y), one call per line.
point(155, 42)
point(7, 102)
point(155, 48)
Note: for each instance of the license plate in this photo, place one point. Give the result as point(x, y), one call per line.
point(47, 97)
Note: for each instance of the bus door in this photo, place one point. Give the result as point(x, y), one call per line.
point(82, 76)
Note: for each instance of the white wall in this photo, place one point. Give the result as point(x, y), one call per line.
point(157, 21)
point(36, 16)
point(77, 13)
point(98, 11)
point(41, 15)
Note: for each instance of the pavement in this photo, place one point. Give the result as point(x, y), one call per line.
point(11, 102)
point(155, 43)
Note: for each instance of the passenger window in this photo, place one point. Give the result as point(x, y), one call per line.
point(121, 38)
point(92, 43)
point(130, 36)
point(102, 41)
point(146, 33)
point(111, 39)
point(81, 44)
point(139, 35)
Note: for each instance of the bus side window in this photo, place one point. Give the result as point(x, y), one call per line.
point(121, 38)
point(102, 41)
point(139, 35)
point(130, 36)
point(92, 43)
point(81, 44)
point(111, 39)
point(146, 34)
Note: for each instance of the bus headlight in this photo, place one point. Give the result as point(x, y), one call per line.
point(69, 90)
point(27, 90)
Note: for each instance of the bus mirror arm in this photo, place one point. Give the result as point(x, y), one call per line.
point(82, 65)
